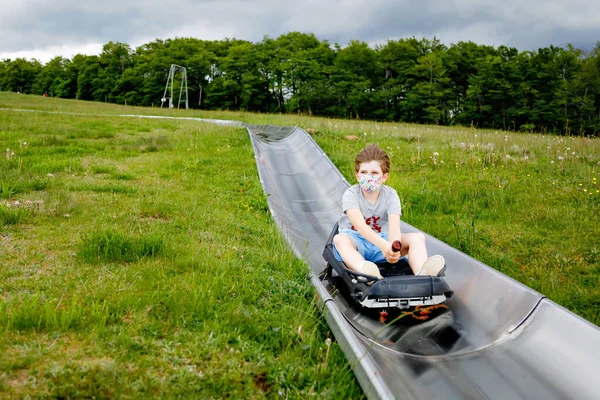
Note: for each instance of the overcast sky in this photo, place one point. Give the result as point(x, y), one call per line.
point(43, 29)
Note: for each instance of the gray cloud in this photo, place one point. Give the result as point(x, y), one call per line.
point(29, 25)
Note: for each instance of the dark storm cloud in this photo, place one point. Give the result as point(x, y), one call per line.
point(513, 23)
point(28, 25)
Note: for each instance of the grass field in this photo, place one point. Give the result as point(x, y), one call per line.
point(138, 260)
point(117, 261)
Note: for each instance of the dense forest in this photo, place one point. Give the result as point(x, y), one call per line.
point(414, 80)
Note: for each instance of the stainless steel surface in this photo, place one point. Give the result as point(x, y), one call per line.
point(513, 342)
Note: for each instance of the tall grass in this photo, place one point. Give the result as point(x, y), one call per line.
point(108, 246)
point(147, 266)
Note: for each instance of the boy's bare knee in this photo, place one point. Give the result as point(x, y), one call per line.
point(341, 240)
point(415, 237)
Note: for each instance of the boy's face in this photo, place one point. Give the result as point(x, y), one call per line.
point(372, 168)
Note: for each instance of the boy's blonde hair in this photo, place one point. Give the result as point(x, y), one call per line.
point(372, 152)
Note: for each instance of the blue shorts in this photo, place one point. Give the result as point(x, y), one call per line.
point(368, 250)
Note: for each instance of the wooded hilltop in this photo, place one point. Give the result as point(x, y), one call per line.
point(412, 80)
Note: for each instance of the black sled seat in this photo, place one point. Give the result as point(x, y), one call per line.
point(399, 288)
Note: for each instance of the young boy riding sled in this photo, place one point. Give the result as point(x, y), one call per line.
point(370, 222)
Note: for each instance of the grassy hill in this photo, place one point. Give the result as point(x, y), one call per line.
point(138, 258)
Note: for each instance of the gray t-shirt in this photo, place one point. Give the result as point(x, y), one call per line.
point(376, 215)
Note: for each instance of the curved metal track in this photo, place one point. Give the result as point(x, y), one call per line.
point(512, 342)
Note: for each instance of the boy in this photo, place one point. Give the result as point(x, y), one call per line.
point(370, 222)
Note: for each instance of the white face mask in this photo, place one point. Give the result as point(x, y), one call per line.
point(370, 183)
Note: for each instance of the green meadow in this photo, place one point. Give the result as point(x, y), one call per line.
point(138, 258)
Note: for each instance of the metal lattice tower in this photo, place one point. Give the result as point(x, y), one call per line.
point(169, 87)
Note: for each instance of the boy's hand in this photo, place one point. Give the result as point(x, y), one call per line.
point(390, 255)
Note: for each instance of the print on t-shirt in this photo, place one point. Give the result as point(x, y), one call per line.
point(372, 222)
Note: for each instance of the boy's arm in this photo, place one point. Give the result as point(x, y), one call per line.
point(394, 227)
point(358, 221)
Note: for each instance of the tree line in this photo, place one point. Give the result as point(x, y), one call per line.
point(553, 89)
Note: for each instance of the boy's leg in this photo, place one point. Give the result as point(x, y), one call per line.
point(347, 249)
point(413, 244)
